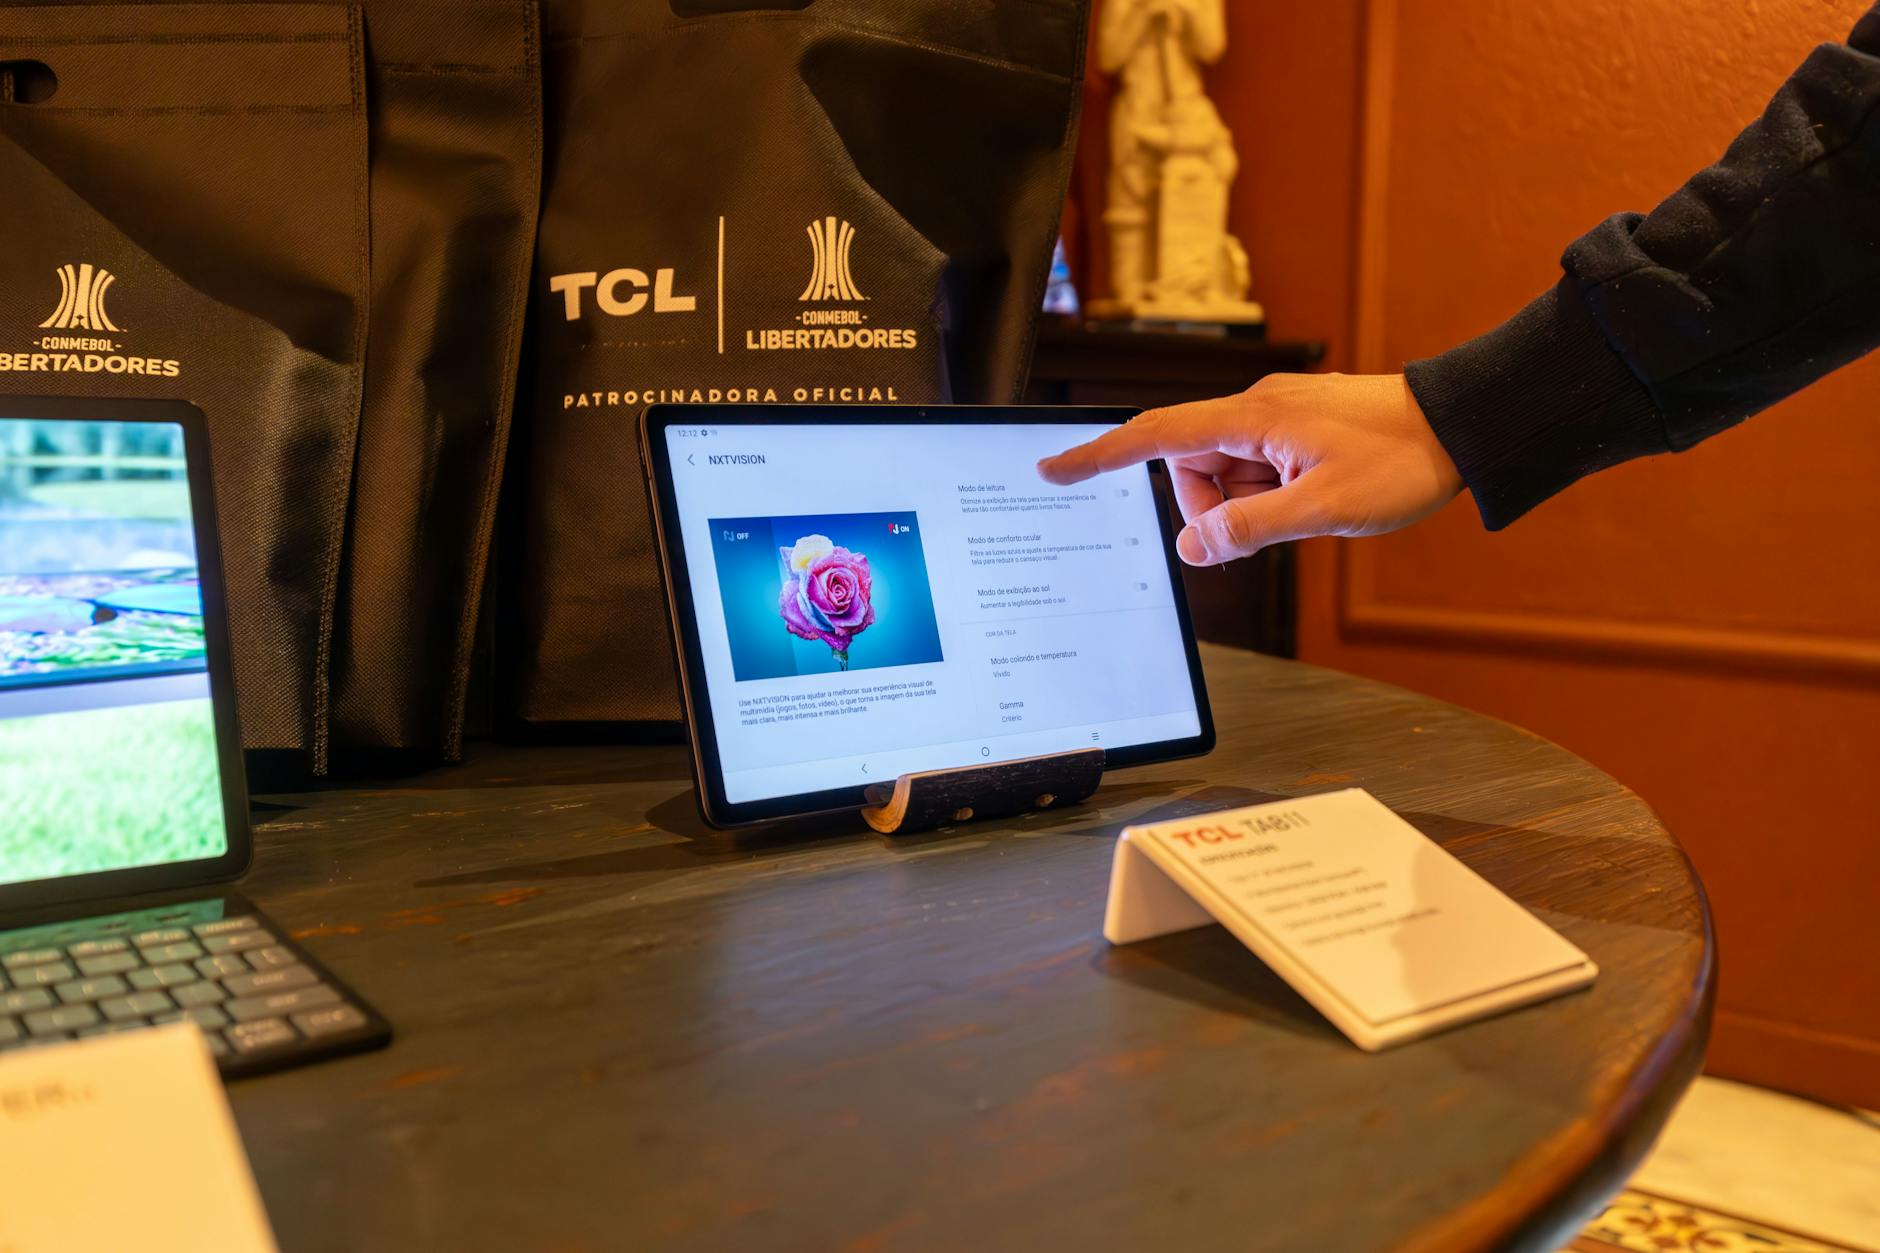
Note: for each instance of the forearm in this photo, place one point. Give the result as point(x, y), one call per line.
point(1758, 276)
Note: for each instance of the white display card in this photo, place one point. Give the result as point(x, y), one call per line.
point(1370, 920)
point(123, 1142)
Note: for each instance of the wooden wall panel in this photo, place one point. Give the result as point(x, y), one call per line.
point(1706, 627)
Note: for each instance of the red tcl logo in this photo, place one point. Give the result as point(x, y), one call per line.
point(1206, 835)
point(1286, 820)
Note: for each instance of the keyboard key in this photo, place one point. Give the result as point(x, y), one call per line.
point(265, 1033)
point(198, 994)
point(106, 963)
point(158, 954)
point(315, 1023)
point(276, 1003)
point(41, 1041)
point(162, 977)
point(241, 983)
point(65, 1018)
point(208, 1017)
point(222, 926)
point(39, 976)
point(269, 981)
point(238, 941)
point(273, 958)
point(91, 989)
point(136, 1005)
point(221, 966)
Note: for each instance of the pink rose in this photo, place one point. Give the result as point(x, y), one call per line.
point(830, 600)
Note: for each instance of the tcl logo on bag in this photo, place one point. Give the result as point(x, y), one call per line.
point(856, 203)
point(622, 293)
point(608, 289)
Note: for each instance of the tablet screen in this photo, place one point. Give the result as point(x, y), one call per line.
point(109, 758)
point(873, 599)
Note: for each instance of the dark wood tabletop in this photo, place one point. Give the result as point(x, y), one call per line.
point(618, 1029)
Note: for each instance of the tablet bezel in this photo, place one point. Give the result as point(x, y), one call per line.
point(235, 858)
point(708, 770)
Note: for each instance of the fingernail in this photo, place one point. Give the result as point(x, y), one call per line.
point(1188, 544)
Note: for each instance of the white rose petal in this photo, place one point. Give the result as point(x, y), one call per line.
point(809, 549)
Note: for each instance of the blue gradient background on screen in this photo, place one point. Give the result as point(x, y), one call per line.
point(750, 584)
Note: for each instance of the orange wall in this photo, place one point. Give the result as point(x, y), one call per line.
point(1289, 89)
point(1704, 627)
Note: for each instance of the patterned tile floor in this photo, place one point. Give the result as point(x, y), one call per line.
point(1638, 1222)
point(1744, 1170)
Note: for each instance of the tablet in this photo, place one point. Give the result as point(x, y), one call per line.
point(859, 592)
point(120, 758)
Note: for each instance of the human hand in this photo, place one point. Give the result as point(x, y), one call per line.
point(1293, 456)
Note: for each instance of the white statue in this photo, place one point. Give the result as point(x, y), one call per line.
point(1171, 164)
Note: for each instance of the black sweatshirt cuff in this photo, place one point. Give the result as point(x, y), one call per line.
point(1534, 405)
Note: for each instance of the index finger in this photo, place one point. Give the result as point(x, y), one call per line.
point(1158, 433)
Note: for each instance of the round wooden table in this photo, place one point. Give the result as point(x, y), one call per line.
point(620, 1030)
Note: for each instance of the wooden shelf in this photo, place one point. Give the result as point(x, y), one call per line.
point(1071, 353)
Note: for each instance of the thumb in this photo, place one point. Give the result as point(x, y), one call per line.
point(1243, 526)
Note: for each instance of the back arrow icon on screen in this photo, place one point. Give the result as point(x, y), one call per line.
point(689, 461)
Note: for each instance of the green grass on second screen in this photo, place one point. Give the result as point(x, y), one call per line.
point(135, 785)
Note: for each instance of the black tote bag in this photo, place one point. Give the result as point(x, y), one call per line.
point(456, 136)
point(820, 201)
point(183, 200)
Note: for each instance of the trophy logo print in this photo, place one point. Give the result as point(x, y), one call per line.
point(830, 277)
point(82, 290)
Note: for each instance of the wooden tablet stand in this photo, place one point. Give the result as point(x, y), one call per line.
point(998, 789)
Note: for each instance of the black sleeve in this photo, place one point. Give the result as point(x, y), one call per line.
point(1753, 280)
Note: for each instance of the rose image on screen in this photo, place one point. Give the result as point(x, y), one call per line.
point(828, 594)
point(824, 593)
